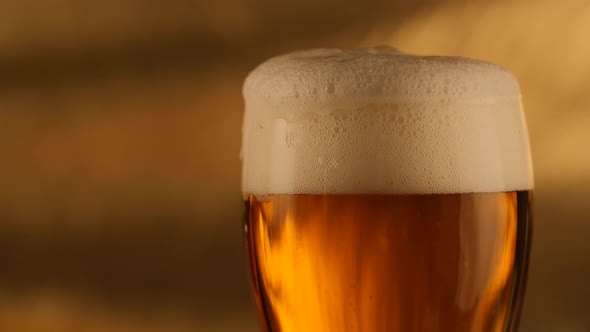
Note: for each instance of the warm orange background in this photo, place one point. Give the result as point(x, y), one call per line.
point(120, 206)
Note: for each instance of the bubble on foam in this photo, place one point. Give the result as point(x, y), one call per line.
point(379, 121)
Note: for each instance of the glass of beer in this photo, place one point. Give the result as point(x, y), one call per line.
point(385, 192)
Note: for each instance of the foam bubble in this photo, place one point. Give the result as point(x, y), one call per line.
point(380, 121)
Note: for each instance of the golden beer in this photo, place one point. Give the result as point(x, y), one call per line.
point(449, 262)
point(385, 192)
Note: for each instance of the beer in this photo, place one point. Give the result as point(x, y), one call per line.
point(446, 262)
point(385, 192)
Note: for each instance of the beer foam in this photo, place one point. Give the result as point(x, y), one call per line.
point(331, 121)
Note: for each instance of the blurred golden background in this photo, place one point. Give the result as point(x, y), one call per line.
point(120, 204)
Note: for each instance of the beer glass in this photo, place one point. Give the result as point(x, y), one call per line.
point(385, 192)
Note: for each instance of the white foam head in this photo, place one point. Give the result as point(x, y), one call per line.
point(332, 121)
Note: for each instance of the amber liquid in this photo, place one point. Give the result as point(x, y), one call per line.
point(407, 263)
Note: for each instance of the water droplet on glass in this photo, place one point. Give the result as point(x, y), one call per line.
point(330, 88)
